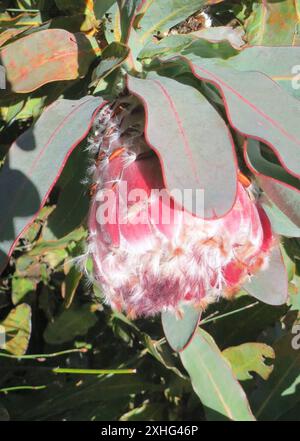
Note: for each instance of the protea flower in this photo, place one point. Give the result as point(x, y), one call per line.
point(146, 265)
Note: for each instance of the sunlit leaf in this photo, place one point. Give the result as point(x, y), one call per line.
point(46, 56)
point(17, 326)
point(35, 162)
point(248, 358)
point(213, 380)
point(179, 331)
point(192, 142)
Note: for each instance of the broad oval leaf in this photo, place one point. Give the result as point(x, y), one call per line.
point(213, 380)
point(192, 141)
point(256, 107)
point(270, 285)
point(180, 331)
point(34, 163)
point(46, 56)
point(250, 357)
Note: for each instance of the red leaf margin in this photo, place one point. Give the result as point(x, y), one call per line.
point(4, 262)
point(216, 82)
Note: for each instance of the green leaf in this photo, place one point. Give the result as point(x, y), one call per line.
point(71, 284)
point(112, 24)
point(281, 189)
point(8, 34)
point(256, 107)
point(285, 197)
point(55, 257)
point(113, 57)
point(44, 247)
point(35, 162)
point(273, 23)
point(214, 382)
point(265, 60)
point(73, 201)
point(192, 141)
point(160, 350)
point(46, 56)
point(99, 398)
point(260, 160)
point(295, 293)
point(69, 324)
point(69, 6)
point(217, 34)
point(168, 45)
point(17, 326)
point(250, 357)
point(179, 331)
point(280, 393)
point(270, 285)
point(102, 6)
point(200, 40)
point(9, 112)
point(161, 15)
point(22, 19)
point(245, 325)
point(21, 287)
point(127, 11)
point(281, 224)
point(146, 412)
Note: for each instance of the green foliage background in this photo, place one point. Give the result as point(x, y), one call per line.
point(53, 318)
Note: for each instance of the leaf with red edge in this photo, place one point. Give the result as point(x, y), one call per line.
point(281, 188)
point(35, 162)
point(285, 197)
point(270, 285)
point(192, 141)
point(265, 60)
point(46, 56)
point(214, 382)
point(179, 331)
point(256, 106)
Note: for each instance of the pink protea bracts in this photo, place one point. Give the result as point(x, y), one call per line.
point(146, 265)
